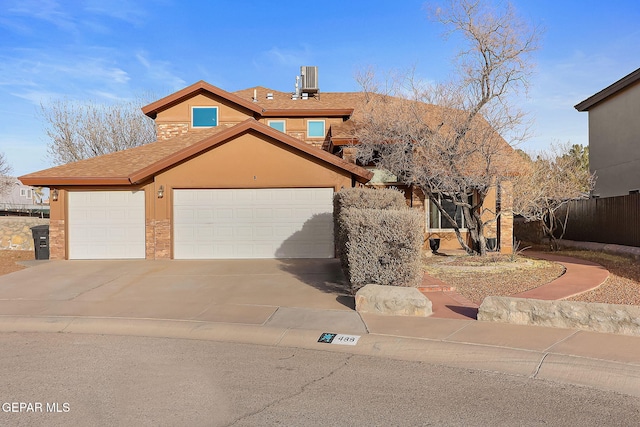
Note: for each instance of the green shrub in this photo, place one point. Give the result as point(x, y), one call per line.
point(381, 246)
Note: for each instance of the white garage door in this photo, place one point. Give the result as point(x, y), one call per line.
point(106, 224)
point(253, 223)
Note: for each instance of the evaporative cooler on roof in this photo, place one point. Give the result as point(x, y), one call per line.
point(309, 79)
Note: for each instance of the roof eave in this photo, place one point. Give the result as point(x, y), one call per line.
point(326, 112)
point(45, 181)
point(610, 90)
point(340, 141)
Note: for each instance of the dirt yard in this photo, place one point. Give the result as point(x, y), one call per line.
point(475, 278)
point(9, 259)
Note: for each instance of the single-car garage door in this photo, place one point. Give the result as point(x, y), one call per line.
point(106, 224)
point(253, 223)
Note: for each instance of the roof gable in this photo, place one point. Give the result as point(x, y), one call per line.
point(136, 165)
point(154, 108)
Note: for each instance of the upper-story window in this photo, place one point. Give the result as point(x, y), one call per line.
point(278, 124)
point(315, 129)
point(25, 192)
point(204, 117)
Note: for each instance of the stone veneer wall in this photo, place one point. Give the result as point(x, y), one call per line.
point(158, 239)
point(170, 130)
point(57, 239)
point(15, 232)
point(506, 217)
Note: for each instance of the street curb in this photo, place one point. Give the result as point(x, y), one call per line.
point(565, 368)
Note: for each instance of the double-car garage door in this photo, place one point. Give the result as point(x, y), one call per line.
point(207, 224)
point(253, 223)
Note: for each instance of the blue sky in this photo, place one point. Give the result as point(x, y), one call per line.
point(113, 50)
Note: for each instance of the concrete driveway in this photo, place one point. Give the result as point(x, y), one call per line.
point(255, 292)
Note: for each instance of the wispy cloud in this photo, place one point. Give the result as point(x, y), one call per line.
point(45, 10)
point(160, 71)
point(288, 56)
point(34, 75)
point(123, 10)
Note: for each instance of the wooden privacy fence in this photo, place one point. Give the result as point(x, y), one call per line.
point(614, 220)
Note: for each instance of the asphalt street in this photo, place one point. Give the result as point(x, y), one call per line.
point(124, 380)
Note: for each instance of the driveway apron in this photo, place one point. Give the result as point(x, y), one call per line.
point(233, 291)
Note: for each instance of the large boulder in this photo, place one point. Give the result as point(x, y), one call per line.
point(610, 318)
point(392, 301)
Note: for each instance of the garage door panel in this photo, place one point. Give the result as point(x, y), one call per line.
point(254, 223)
point(106, 224)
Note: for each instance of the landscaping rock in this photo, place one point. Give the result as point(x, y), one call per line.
point(392, 301)
point(609, 318)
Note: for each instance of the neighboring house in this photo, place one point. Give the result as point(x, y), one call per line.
point(22, 199)
point(249, 174)
point(614, 132)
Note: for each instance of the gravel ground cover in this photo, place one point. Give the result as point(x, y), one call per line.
point(476, 278)
point(623, 284)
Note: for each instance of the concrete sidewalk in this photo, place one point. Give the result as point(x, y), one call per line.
point(291, 303)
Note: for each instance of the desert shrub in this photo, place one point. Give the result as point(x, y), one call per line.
point(368, 198)
point(381, 246)
point(361, 198)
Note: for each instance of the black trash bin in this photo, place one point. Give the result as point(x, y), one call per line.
point(41, 241)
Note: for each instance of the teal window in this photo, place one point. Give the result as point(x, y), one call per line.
point(278, 125)
point(204, 117)
point(315, 129)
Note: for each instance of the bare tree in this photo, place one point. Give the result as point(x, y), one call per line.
point(554, 178)
point(5, 175)
point(445, 139)
point(84, 129)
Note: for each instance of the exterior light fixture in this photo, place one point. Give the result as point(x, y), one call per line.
point(161, 192)
point(54, 194)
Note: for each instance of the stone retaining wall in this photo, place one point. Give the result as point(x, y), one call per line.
point(15, 232)
point(610, 248)
point(609, 318)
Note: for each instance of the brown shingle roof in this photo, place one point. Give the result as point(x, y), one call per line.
point(283, 101)
point(136, 165)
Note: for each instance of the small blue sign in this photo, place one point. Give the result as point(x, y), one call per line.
point(326, 338)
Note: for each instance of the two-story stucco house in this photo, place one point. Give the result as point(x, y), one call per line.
point(18, 198)
point(614, 136)
point(246, 174)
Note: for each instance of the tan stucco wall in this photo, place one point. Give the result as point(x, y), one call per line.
point(227, 111)
point(614, 143)
point(248, 161)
